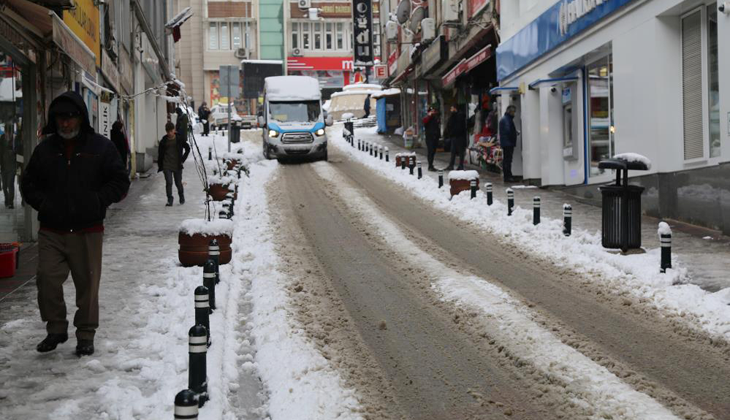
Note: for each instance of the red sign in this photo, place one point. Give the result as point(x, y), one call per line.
point(475, 6)
point(381, 72)
point(320, 63)
point(393, 61)
point(466, 66)
point(453, 74)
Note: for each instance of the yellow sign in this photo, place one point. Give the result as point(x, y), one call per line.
point(84, 22)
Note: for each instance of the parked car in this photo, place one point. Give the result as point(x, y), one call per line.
point(219, 115)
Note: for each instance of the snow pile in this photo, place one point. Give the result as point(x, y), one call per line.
point(463, 175)
point(222, 180)
point(634, 157)
point(207, 228)
point(637, 275)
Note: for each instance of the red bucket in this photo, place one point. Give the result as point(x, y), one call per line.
point(8, 259)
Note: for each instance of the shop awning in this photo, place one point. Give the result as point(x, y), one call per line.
point(72, 45)
point(466, 65)
point(552, 81)
point(502, 89)
point(32, 16)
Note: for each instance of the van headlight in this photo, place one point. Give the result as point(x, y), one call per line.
point(273, 134)
point(319, 132)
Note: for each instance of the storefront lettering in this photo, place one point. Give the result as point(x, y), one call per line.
point(574, 10)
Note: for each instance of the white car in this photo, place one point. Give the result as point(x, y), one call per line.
point(219, 115)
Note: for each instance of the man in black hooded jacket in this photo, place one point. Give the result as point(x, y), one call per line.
point(72, 177)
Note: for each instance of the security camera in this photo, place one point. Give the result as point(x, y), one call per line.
point(724, 7)
point(553, 89)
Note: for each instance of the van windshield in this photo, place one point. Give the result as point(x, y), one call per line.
point(307, 111)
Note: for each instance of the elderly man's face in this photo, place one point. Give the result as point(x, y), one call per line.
point(68, 126)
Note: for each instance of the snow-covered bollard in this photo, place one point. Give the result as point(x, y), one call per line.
point(370, 149)
point(441, 178)
point(567, 219)
point(665, 240)
point(490, 196)
point(223, 214)
point(186, 407)
point(214, 253)
point(197, 370)
point(387, 155)
point(536, 210)
point(202, 309)
point(473, 187)
point(210, 153)
point(510, 201)
point(420, 170)
point(411, 165)
point(209, 278)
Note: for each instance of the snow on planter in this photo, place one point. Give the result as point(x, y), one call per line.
point(406, 156)
point(634, 157)
point(461, 181)
point(222, 180)
point(194, 238)
point(208, 228)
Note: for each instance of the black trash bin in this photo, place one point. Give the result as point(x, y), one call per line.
point(621, 209)
point(235, 132)
point(349, 126)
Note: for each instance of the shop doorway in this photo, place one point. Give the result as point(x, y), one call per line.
point(517, 162)
point(600, 115)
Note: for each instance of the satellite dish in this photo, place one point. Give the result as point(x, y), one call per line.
point(403, 11)
point(416, 17)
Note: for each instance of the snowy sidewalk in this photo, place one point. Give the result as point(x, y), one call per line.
point(707, 258)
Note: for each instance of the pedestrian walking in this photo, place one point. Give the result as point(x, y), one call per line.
point(181, 125)
point(508, 140)
point(8, 165)
point(456, 129)
point(432, 123)
point(366, 107)
point(204, 114)
point(120, 141)
point(172, 152)
point(73, 175)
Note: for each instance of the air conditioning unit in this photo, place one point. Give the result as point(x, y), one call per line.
point(240, 53)
point(296, 52)
point(451, 12)
point(428, 29)
point(304, 4)
point(391, 31)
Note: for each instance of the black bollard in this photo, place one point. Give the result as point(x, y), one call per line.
point(209, 282)
point(403, 162)
point(420, 171)
point(473, 185)
point(202, 309)
point(665, 239)
point(489, 194)
point(510, 201)
point(214, 252)
point(567, 219)
point(223, 214)
point(358, 144)
point(210, 153)
point(197, 371)
point(411, 166)
point(381, 152)
point(186, 407)
point(536, 211)
point(370, 149)
point(441, 178)
point(387, 155)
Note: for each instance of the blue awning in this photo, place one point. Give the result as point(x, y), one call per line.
point(555, 80)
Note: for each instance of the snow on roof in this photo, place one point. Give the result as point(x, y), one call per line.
point(634, 157)
point(386, 92)
point(292, 88)
point(463, 175)
point(362, 86)
point(352, 92)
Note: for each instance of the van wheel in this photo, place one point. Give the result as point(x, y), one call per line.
point(324, 158)
point(267, 154)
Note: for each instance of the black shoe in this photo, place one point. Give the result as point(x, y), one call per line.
point(85, 348)
point(449, 168)
point(51, 342)
point(431, 169)
point(169, 203)
point(182, 200)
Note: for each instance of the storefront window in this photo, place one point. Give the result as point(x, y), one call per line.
point(236, 35)
point(305, 36)
point(600, 112)
point(12, 215)
point(714, 82)
point(213, 36)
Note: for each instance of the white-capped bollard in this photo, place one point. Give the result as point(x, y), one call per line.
point(202, 309)
point(197, 369)
point(387, 155)
point(536, 211)
point(665, 241)
point(441, 178)
point(490, 196)
point(420, 170)
point(510, 201)
point(186, 406)
point(209, 282)
point(473, 186)
point(567, 219)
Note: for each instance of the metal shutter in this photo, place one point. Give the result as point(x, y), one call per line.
point(692, 86)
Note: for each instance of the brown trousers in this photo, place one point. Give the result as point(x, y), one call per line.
point(79, 253)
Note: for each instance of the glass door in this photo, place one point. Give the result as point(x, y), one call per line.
point(601, 127)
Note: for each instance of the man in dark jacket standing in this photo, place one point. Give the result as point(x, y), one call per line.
point(204, 114)
point(456, 129)
point(366, 107)
point(508, 141)
point(171, 154)
point(72, 177)
point(432, 123)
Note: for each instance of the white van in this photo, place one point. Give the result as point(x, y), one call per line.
point(292, 118)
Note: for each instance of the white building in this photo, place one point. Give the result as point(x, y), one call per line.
point(593, 78)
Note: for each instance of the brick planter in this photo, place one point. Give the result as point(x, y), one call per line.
point(231, 164)
point(193, 249)
point(217, 191)
point(399, 158)
point(459, 185)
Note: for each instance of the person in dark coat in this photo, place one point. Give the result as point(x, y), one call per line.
point(204, 114)
point(366, 107)
point(508, 140)
point(120, 141)
point(182, 124)
point(171, 154)
point(456, 129)
point(432, 123)
point(73, 175)
point(8, 165)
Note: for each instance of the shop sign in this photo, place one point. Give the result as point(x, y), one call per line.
point(363, 32)
point(393, 62)
point(436, 53)
point(105, 118)
point(125, 70)
point(72, 45)
point(476, 6)
point(453, 74)
point(83, 20)
point(319, 63)
point(477, 59)
point(559, 23)
point(381, 72)
point(109, 70)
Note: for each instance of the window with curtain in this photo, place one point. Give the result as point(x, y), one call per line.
point(340, 29)
point(328, 44)
point(225, 41)
point(236, 35)
point(306, 44)
point(317, 29)
point(213, 36)
point(295, 35)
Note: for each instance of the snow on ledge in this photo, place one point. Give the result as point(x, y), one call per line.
point(463, 175)
point(405, 154)
point(207, 228)
point(634, 157)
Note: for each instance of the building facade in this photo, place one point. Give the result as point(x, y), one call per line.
point(594, 79)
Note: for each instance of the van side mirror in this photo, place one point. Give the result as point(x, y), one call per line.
point(329, 121)
point(261, 121)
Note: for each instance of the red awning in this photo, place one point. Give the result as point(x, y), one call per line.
point(466, 65)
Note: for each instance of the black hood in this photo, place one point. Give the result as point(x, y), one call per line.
point(78, 102)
